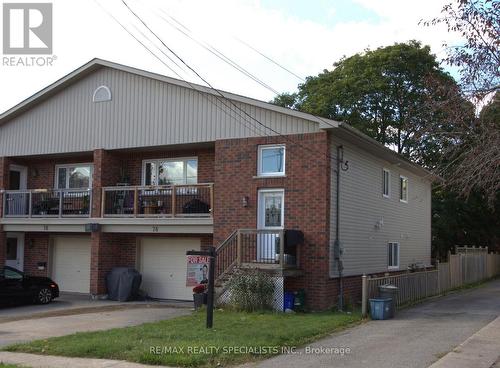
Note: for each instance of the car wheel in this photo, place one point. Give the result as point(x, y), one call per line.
point(44, 296)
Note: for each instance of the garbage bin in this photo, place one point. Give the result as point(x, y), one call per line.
point(380, 308)
point(389, 291)
point(288, 300)
point(299, 304)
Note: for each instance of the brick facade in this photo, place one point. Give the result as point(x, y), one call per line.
point(232, 166)
point(307, 203)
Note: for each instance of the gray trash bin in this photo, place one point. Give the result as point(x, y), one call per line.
point(389, 291)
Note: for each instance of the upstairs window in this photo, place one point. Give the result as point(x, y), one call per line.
point(386, 183)
point(403, 189)
point(393, 256)
point(271, 160)
point(75, 176)
point(170, 172)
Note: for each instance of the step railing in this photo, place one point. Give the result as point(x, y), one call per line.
point(47, 203)
point(255, 248)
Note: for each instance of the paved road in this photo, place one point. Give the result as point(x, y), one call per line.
point(415, 339)
point(41, 328)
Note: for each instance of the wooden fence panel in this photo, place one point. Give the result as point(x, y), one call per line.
point(461, 269)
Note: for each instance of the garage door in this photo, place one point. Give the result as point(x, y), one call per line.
point(162, 263)
point(71, 263)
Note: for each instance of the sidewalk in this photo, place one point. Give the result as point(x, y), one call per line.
point(47, 361)
point(480, 350)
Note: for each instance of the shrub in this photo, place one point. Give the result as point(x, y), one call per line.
point(251, 290)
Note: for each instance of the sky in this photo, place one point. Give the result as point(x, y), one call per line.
point(304, 36)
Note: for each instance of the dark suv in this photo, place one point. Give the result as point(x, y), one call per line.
point(16, 287)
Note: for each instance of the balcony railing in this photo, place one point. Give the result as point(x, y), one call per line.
point(158, 201)
point(47, 203)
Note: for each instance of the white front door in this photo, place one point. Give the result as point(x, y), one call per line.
point(17, 204)
point(270, 216)
point(15, 251)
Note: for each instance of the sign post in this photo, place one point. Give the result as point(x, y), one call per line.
point(210, 253)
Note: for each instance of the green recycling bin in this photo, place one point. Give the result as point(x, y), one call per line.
point(299, 304)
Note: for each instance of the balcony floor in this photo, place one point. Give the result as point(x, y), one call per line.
point(167, 225)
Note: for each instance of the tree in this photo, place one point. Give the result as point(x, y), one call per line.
point(472, 163)
point(478, 57)
point(382, 92)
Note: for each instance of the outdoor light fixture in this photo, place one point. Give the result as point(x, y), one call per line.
point(245, 201)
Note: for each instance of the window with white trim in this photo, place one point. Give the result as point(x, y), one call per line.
point(170, 171)
point(403, 189)
point(386, 183)
point(271, 160)
point(393, 255)
point(74, 176)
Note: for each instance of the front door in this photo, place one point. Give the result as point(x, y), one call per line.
point(17, 203)
point(270, 219)
point(15, 251)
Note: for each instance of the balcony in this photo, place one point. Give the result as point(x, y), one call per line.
point(158, 201)
point(45, 203)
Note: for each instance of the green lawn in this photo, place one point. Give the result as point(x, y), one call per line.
point(2, 365)
point(255, 335)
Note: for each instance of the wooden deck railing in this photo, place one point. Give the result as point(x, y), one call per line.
point(254, 248)
point(194, 200)
point(47, 203)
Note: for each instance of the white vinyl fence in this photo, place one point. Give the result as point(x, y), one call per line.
point(468, 266)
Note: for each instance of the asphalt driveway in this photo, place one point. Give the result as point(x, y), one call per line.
point(73, 313)
point(416, 338)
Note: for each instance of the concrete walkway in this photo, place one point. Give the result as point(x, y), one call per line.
point(47, 361)
point(41, 328)
point(481, 350)
point(416, 338)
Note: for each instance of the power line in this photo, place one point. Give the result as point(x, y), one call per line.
point(227, 60)
point(271, 60)
point(252, 128)
point(214, 89)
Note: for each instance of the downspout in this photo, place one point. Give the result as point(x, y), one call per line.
point(337, 251)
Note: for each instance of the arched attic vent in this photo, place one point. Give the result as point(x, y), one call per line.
point(102, 94)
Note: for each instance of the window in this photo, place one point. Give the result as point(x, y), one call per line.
point(74, 176)
point(271, 160)
point(386, 183)
point(102, 94)
point(170, 172)
point(403, 189)
point(393, 256)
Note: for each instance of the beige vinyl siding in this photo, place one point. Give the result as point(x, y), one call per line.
point(143, 112)
point(362, 206)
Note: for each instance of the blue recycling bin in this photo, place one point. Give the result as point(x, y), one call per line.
point(288, 300)
point(381, 308)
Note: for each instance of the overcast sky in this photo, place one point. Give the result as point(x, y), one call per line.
point(304, 36)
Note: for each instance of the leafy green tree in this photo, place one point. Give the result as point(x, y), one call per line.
point(384, 93)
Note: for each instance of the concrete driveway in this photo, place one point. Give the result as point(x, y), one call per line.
point(416, 338)
point(75, 313)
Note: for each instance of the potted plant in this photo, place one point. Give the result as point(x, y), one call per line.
point(199, 295)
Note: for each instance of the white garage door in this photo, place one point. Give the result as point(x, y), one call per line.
point(71, 263)
point(162, 263)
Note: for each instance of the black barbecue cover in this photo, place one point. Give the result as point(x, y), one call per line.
point(123, 284)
